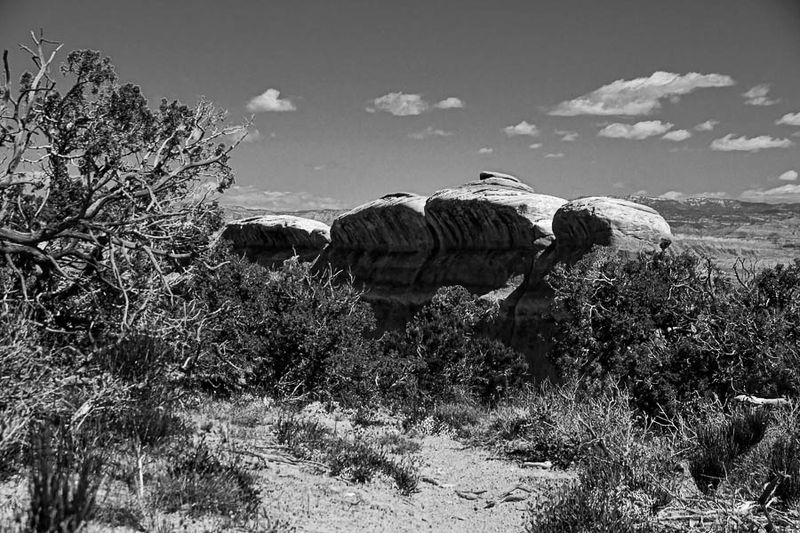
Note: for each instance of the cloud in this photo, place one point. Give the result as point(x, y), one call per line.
point(486, 150)
point(430, 131)
point(638, 131)
point(535, 146)
point(619, 185)
point(708, 125)
point(404, 104)
point(639, 96)
point(255, 198)
point(672, 195)
point(450, 103)
point(789, 119)
point(729, 143)
point(270, 100)
point(555, 155)
point(677, 135)
point(567, 136)
point(758, 95)
point(400, 104)
point(523, 128)
point(678, 195)
point(789, 175)
point(784, 193)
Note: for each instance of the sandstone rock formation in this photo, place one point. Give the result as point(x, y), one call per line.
point(483, 235)
point(494, 236)
point(269, 240)
point(625, 226)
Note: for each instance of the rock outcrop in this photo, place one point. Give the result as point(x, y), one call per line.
point(269, 240)
point(624, 226)
point(483, 235)
point(495, 236)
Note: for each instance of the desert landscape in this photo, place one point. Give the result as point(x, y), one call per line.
point(353, 266)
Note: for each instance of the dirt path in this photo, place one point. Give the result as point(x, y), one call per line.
point(461, 489)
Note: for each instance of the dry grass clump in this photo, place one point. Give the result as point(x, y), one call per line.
point(358, 459)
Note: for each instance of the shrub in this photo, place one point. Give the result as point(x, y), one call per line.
point(356, 460)
point(721, 442)
point(287, 332)
point(668, 326)
point(443, 354)
point(205, 483)
point(63, 484)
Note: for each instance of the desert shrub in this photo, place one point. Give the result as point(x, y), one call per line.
point(456, 415)
point(288, 332)
point(784, 467)
point(205, 483)
point(357, 459)
point(625, 468)
point(720, 442)
point(669, 326)
point(397, 444)
point(63, 483)
point(443, 354)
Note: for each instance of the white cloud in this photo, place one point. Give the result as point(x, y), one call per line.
point(255, 198)
point(535, 146)
point(789, 175)
point(639, 96)
point(270, 100)
point(450, 103)
point(523, 128)
point(758, 95)
point(677, 135)
point(567, 136)
point(672, 195)
point(729, 143)
point(400, 104)
point(486, 150)
point(784, 193)
point(678, 195)
point(638, 131)
point(790, 119)
point(404, 104)
point(430, 131)
point(556, 155)
point(708, 125)
point(619, 185)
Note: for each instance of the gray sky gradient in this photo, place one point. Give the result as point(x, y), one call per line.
point(543, 62)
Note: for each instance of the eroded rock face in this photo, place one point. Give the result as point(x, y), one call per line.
point(269, 240)
point(483, 235)
point(621, 224)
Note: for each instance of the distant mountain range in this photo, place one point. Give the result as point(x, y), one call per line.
point(725, 230)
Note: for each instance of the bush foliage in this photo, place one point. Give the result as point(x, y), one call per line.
point(674, 326)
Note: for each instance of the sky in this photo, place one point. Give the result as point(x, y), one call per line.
point(354, 99)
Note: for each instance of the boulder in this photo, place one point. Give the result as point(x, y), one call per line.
point(578, 225)
point(271, 239)
point(624, 225)
point(483, 235)
point(487, 232)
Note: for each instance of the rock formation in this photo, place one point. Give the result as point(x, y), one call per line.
point(627, 227)
point(270, 240)
point(494, 236)
point(483, 235)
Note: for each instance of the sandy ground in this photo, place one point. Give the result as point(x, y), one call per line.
point(461, 488)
